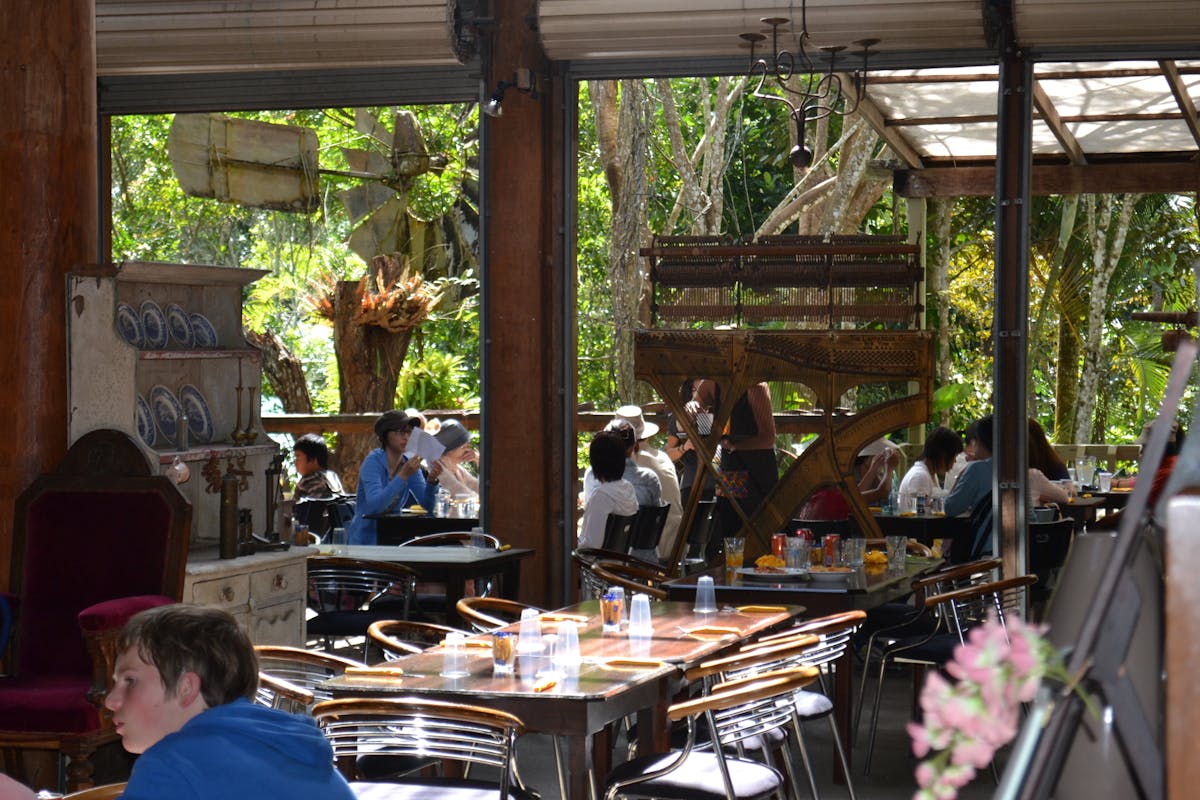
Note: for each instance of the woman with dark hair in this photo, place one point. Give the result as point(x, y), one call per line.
point(388, 478)
point(1042, 455)
point(613, 494)
point(941, 448)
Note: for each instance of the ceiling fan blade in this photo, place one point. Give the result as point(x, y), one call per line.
point(381, 232)
point(366, 161)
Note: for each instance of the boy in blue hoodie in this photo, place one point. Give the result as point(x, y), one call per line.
point(183, 681)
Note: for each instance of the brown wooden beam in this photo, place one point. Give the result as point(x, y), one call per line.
point(50, 222)
point(1158, 177)
point(1182, 98)
point(1045, 107)
point(894, 138)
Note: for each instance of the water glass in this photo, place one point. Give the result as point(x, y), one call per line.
point(897, 546)
point(549, 662)
point(706, 596)
point(454, 660)
point(337, 538)
point(734, 550)
point(568, 659)
point(853, 551)
point(1086, 470)
point(503, 660)
point(1104, 480)
point(795, 555)
point(610, 612)
point(640, 626)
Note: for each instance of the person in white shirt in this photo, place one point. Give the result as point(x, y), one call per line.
point(612, 495)
point(941, 448)
point(658, 462)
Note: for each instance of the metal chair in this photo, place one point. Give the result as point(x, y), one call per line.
point(464, 538)
point(284, 695)
point(414, 728)
point(304, 669)
point(109, 791)
point(956, 611)
point(586, 558)
point(1045, 554)
point(704, 522)
point(736, 712)
point(485, 614)
point(397, 638)
point(648, 528)
point(348, 594)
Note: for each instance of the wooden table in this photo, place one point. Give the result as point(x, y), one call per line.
point(1082, 509)
point(399, 527)
point(861, 590)
point(581, 707)
point(452, 565)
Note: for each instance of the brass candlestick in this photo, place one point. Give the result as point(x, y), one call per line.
point(236, 435)
point(250, 433)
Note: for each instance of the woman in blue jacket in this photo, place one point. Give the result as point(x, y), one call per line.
point(388, 479)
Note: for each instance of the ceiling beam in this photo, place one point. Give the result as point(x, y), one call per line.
point(894, 138)
point(1045, 107)
point(1182, 98)
point(1163, 177)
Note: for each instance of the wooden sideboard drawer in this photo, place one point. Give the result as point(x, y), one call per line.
point(231, 590)
point(283, 582)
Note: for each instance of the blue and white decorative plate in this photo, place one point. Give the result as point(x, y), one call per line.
point(129, 325)
point(204, 333)
point(154, 323)
point(200, 422)
point(180, 326)
point(144, 420)
point(166, 411)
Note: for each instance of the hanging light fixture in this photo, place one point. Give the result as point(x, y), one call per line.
point(817, 92)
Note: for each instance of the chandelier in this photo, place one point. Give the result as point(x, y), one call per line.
point(817, 92)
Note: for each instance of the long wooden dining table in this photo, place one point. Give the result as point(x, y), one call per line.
point(861, 589)
point(619, 676)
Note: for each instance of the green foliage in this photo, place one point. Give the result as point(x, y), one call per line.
point(437, 380)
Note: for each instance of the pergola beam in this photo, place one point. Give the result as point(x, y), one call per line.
point(1167, 177)
point(1050, 116)
point(1182, 98)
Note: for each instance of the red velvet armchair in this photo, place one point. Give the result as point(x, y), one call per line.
point(94, 542)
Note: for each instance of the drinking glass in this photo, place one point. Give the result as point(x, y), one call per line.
point(896, 547)
point(502, 653)
point(795, 555)
point(1104, 479)
point(454, 660)
point(853, 551)
point(640, 626)
point(734, 550)
point(1086, 470)
point(610, 612)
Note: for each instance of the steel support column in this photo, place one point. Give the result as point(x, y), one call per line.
point(1010, 331)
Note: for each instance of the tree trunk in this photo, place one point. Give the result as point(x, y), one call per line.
point(284, 371)
point(1107, 240)
point(1066, 381)
point(938, 218)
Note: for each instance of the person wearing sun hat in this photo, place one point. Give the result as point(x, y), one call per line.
point(388, 480)
point(457, 440)
point(658, 462)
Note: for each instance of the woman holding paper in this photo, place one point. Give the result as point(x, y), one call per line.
point(388, 479)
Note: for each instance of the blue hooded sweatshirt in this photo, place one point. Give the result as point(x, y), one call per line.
point(239, 751)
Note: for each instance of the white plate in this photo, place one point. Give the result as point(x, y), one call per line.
point(200, 422)
point(154, 323)
point(203, 332)
point(144, 420)
point(166, 411)
point(830, 577)
point(180, 326)
point(129, 325)
point(784, 574)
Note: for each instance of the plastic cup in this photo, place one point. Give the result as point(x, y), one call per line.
point(529, 639)
point(853, 551)
point(897, 546)
point(549, 662)
point(1104, 480)
point(503, 660)
point(454, 660)
point(610, 612)
point(706, 597)
point(734, 553)
point(567, 656)
point(640, 626)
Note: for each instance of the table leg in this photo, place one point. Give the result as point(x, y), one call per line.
point(843, 696)
point(580, 750)
point(455, 589)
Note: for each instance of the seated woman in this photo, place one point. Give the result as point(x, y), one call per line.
point(389, 480)
point(613, 494)
point(873, 470)
point(1041, 453)
point(312, 463)
point(457, 441)
point(941, 448)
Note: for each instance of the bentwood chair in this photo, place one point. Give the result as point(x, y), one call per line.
point(283, 695)
point(485, 614)
point(587, 557)
point(956, 612)
point(348, 594)
point(632, 578)
point(306, 669)
point(618, 532)
point(414, 728)
point(397, 638)
point(736, 712)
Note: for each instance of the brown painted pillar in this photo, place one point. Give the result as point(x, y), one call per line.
point(48, 225)
point(524, 457)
